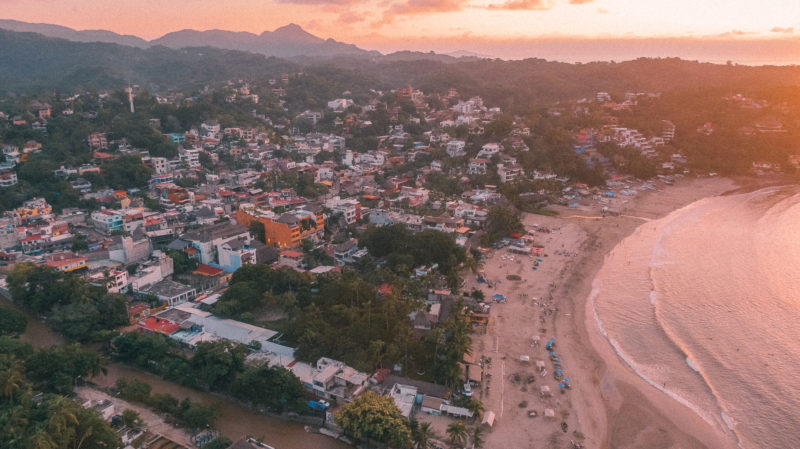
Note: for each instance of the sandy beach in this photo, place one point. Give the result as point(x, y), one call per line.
point(608, 405)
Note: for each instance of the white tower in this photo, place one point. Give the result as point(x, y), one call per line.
point(130, 97)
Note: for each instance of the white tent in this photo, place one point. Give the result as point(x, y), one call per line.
point(549, 413)
point(540, 365)
point(488, 419)
point(544, 391)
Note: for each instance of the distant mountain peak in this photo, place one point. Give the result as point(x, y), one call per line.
point(295, 32)
point(290, 27)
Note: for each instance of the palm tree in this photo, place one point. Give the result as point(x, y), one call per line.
point(11, 379)
point(475, 406)
point(457, 432)
point(62, 416)
point(421, 433)
point(477, 437)
point(41, 440)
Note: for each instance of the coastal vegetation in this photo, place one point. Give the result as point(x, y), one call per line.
point(36, 413)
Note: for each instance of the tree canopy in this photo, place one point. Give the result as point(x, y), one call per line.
point(372, 417)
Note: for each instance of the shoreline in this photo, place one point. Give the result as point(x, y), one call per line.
point(634, 412)
point(608, 405)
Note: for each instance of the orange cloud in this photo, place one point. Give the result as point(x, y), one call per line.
point(580, 2)
point(427, 6)
point(787, 30)
point(516, 5)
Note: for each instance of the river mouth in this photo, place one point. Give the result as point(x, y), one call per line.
point(236, 420)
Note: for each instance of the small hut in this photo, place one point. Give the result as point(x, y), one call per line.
point(488, 419)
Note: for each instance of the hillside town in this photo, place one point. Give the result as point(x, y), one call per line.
point(240, 235)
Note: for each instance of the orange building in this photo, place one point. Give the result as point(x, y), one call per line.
point(286, 230)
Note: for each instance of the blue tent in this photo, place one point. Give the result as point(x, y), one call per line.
point(498, 296)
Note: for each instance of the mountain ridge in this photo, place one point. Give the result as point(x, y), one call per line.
point(287, 41)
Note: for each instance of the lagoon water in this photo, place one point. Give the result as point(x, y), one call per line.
point(704, 304)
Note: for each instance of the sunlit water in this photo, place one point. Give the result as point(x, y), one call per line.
point(704, 305)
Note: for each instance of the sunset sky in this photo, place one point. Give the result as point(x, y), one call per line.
point(505, 28)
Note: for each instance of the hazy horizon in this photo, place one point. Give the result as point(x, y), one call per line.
point(742, 31)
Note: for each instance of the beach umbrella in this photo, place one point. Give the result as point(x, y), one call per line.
point(558, 371)
point(552, 338)
point(562, 386)
point(566, 379)
point(552, 353)
point(557, 360)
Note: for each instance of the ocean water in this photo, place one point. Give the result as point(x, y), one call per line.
point(704, 304)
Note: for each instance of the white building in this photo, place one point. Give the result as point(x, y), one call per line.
point(8, 179)
point(490, 149)
point(477, 166)
point(160, 165)
point(509, 173)
point(340, 104)
point(350, 208)
point(456, 148)
point(191, 157)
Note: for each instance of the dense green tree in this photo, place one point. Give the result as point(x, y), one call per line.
point(181, 262)
point(132, 419)
point(126, 172)
point(372, 417)
point(15, 348)
point(501, 222)
point(217, 363)
point(12, 322)
point(273, 387)
point(142, 350)
point(257, 229)
point(57, 368)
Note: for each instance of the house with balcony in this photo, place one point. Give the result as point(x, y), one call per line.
point(334, 379)
point(477, 166)
point(8, 178)
point(107, 221)
point(509, 173)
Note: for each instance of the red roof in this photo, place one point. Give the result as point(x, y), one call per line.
point(160, 325)
point(101, 155)
point(208, 270)
point(31, 238)
point(63, 262)
point(385, 288)
point(292, 254)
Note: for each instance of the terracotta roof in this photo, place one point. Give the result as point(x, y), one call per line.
point(208, 270)
point(160, 325)
point(292, 254)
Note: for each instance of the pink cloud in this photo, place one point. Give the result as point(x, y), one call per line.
point(787, 30)
point(515, 5)
point(427, 6)
point(580, 2)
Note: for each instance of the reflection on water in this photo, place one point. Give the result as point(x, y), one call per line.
point(236, 421)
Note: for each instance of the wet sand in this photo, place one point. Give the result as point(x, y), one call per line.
point(609, 406)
